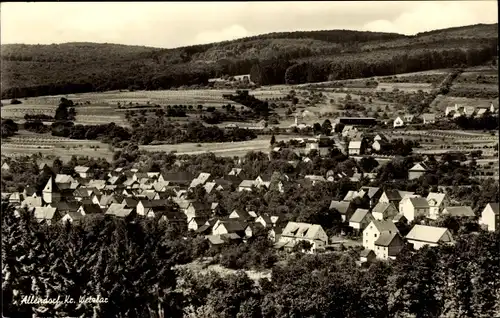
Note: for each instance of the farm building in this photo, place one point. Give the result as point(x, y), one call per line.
point(358, 121)
point(421, 235)
point(417, 171)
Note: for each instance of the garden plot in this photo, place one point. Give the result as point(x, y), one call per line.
point(18, 111)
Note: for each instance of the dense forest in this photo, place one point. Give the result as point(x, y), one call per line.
point(131, 268)
point(295, 57)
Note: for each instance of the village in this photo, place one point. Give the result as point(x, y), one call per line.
point(374, 215)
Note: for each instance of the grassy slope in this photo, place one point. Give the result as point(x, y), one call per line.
point(31, 65)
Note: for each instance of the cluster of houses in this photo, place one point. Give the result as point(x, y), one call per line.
point(450, 111)
point(129, 194)
point(387, 209)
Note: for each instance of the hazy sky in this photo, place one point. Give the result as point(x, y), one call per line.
point(163, 24)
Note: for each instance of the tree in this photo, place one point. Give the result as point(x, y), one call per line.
point(273, 140)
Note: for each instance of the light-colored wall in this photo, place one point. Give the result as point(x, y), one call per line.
point(489, 219)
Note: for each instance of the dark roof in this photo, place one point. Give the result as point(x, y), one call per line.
point(242, 215)
point(91, 208)
point(341, 206)
point(153, 203)
point(365, 253)
point(201, 206)
point(494, 207)
point(66, 206)
point(386, 238)
point(393, 195)
point(235, 180)
point(178, 177)
point(233, 226)
point(130, 202)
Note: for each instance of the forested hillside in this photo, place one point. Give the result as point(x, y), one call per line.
point(276, 58)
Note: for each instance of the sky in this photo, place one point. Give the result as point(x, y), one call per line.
point(174, 24)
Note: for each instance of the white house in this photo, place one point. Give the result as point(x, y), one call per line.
point(411, 207)
point(398, 122)
point(384, 211)
point(437, 202)
point(429, 118)
point(295, 232)
point(421, 235)
point(373, 231)
point(388, 245)
point(360, 219)
point(417, 171)
point(355, 147)
point(459, 211)
point(490, 217)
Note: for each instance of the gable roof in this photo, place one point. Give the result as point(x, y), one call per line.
point(232, 226)
point(429, 116)
point(81, 169)
point(371, 191)
point(91, 208)
point(75, 216)
point(341, 206)
point(64, 178)
point(130, 202)
point(426, 233)
point(419, 202)
point(420, 167)
point(51, 186)
point(392, 195)
point(301, 230)
point(438, 197)
point(45, 213)
point(359, 215)
point(459, 211)
point(381, 207)
point(386, 238)
point(246, 183)
point(384, 226)
point(494, 207)
point(355, 144)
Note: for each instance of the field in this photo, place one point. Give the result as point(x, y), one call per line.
point(226, 149)
point(26, 143)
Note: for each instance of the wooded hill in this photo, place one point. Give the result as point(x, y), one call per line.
point(275, 58)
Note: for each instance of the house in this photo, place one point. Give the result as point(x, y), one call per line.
point(180, 179)
point(417, 171)
point(229, 227)
point(16, 198)
point(252, 228)
point(295, 232)
point(275, 233)
point(89, 209)
point(197, 209)
point(367, 256)
point(411, 207)
point(459, 211)
point(83, 172)
point(5, 166)
point(399, 219)
point(348, 129)
point(351, 195)
point(48, 214)
point(421, 235)
point(175, 218)
point(373, 194)
point(243, 216)
point(373, 231)
point(51, 192)
point(264, 220)
point(235, 172)
point(72, 217)
point(429, 118)
point(379, 137)
point(378, 145)
point(408, 118)
point(119, 210)
point(437, 202)
point(398, 122)
point(343, 207)
point(490, 217)
point(246, 185)
point(197, 222)
point(315, 179)
point(130, 203)
point(384, 211)
point(32, 202)
point(144, 206)
point(355, 147)
point(391, 196)
point(200, 180)
point(388, 245)
point(63, 206)
point(360, 219)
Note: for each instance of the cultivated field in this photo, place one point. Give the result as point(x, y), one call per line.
point(227, 149)
point(26, 143)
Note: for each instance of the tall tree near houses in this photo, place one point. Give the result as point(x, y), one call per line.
point(273, 140)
